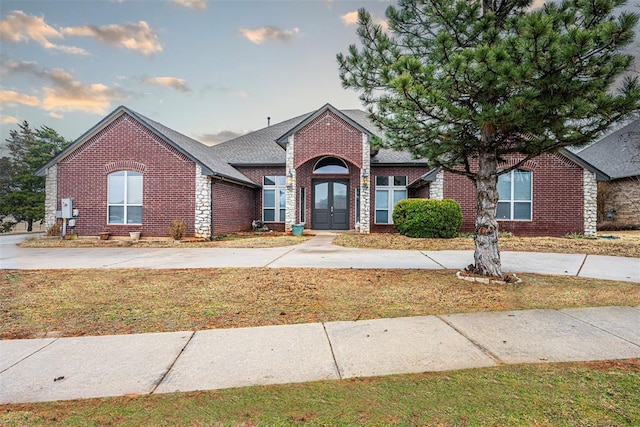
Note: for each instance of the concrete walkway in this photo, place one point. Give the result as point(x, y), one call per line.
point(83, 367)
point(75, 368)
point(317, 252)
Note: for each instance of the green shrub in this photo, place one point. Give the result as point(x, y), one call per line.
point(427, 218)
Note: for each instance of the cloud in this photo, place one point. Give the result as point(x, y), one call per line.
point(351, 18)
point(217, 138)
point(55, 115)
point(259, 35)
point(11, 97)
point(135, 36)
point(20, 27)
point(68, 94)
point(193, 4)
point(9, 120)
point(61, 92)
point(172, 82)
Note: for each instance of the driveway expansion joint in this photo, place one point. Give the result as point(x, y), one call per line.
point(582, 265)
point(600, 328)
point(29, 355)
point(333, 354)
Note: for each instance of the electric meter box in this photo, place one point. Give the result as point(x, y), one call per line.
point(67, 208)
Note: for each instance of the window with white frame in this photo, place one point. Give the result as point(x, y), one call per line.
point(124, 197)
point(389, 191)
point(273, 198)
point(515, 189)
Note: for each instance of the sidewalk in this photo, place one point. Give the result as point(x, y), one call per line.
point(83, 367)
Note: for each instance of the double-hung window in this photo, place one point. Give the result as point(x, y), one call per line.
point(515, 189)
point(389, 191)
point(124, 197)
point(273, 198)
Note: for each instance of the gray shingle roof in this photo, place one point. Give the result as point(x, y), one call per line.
point(260, 147)
point(617, 154)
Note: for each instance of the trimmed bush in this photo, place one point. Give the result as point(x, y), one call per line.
point(177, 229)
point(427, 218)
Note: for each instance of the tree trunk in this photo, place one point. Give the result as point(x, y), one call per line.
point(487, 254)
point(30, 225)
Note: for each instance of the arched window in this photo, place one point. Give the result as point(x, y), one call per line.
point(124, 197)
point(515, 195)
point(331, 165)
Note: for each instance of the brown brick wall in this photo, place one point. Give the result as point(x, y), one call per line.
point(255, 174)
point(168, 179)
point(233, 207)
point(558, 198)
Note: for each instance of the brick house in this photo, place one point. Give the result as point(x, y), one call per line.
point(130, 173)
point(618, 155)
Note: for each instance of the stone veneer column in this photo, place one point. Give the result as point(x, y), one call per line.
point(203, 204)
point(436, 187)
point(590, 187)
point(51, 197)
point(290, 176)
point(365, 190)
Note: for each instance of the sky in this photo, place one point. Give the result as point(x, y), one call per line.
point(209, 69)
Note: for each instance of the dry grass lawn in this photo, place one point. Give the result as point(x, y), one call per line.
point(100, 302)
point(626, 244)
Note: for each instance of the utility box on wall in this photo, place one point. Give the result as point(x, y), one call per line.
point(67, 208)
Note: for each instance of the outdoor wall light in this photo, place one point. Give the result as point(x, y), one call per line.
point(365, 180)
point(290, 179)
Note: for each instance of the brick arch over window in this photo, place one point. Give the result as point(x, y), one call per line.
point(124, 165)
point(530, 165)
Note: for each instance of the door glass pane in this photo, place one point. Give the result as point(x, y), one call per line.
point(522, 210)
point(504, 210)
point(116, 188)
point(382, 180)
point(382, 217)
point(116, 214)
point(134, 215)
point(399, 195)
point(134, 188)
point(382, 199)
point(400, 181)
point(522, 185)
point(504, 187)
point(269, 198)
point(321, 195)
point(339, 195)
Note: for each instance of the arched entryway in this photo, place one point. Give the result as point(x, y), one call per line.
point(330, 195)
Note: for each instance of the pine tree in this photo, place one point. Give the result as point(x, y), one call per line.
point(466, 83)
point(22, 193)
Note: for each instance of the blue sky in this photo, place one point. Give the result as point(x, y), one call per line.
point(207, 69)
point(210, 69)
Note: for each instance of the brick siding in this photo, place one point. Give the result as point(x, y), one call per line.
point(558, 198)
point(233, 207)
point(168, 179)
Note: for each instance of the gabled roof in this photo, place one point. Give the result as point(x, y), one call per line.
point(617, 154)
point(266, 146)
point(192, 149)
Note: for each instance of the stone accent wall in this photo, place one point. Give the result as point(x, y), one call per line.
point(436, 188)
point(590, 203)
point(202, 223)
point(365, 190)
point(51, 197)
point(290, 204)
point(622, 196)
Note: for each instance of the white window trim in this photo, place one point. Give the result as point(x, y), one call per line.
point(277, 187)
point(512, 200)
point(125, 204)
point(390, 192)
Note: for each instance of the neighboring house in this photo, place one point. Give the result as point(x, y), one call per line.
point(618, 155)
point(130, 173)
